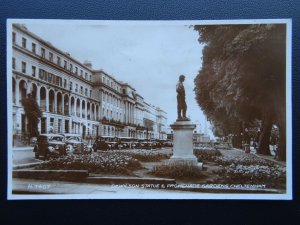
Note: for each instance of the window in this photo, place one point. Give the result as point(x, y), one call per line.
point(52, 122)
point(51, 56)
point(33, 71)
point(81, 90)
point(65, 64)
point(76, 70)
point(14, 37)
point(76, 89)
point(43, 52)
point(90, 93)
point(71, 67)
point(23, 67)
point(50, 77)
point(33, 47)
point(65, 83)
point(81, 73)
point(86, 76)
point(59, 125)
point(24, 42)
point(14, 63)
point(57, 81)
point(58, 60)
point(71, 86)
point(90, 77)
point(43, 74)
point(86, 92)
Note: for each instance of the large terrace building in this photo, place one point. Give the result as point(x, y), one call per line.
point(74, 97)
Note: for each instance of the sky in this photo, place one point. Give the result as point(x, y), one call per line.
point(148, 56)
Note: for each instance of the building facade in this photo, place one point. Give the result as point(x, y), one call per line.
point(73, 97)
point(198, 136)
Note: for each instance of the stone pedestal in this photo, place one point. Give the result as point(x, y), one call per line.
point(183, 143)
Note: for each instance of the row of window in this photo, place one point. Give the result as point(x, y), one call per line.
point(109, 114)
point(77, 90)
point(51, 58)
point(111, 99)
point(111, 83)
point(24, 67)
point(51, 78)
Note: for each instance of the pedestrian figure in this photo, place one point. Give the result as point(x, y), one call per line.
point(181, 104)
point(274, 146)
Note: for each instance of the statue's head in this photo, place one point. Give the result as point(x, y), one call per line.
point(181, 77)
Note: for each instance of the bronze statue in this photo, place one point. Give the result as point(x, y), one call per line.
point(181, 104)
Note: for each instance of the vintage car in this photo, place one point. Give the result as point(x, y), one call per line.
point(100, 144)
point(49, 145)
point(75, 144)
point(145, 145)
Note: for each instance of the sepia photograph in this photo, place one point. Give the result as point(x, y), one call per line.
point(116, 109)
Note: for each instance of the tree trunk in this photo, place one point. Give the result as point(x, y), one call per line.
point(281, 152)
point(264, 139)
point(281, 120)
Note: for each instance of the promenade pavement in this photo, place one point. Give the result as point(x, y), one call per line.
point(25, 187)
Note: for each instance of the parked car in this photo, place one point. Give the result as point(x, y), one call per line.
point(112, 144)
point(100, 144)
point(145, 145)
point(75, 144)
point(49, 145)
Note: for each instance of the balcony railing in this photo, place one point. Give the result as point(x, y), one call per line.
point(112, 122)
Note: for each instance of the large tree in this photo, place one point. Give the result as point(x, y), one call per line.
point(33, 114)
point(243, 78)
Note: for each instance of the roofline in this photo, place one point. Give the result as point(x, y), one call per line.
point(24, 29)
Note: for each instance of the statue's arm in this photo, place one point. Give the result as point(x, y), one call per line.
point(179, 88)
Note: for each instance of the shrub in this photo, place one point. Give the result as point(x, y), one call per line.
point(146, 155)
point(272, 176)
point(107, 162)
point(249, 169)
point(243, 159)
point(207, 154)
point(180, 170)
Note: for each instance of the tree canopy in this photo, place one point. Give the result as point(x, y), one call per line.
point(33, 114)
point(243, 78)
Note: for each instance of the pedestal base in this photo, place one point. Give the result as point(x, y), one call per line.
point(183, 144)
point(191, 160)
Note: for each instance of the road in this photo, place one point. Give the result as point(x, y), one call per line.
point(23, 156)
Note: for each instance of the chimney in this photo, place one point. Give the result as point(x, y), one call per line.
point(88, 64)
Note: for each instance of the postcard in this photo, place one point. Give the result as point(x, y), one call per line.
point(149, 109)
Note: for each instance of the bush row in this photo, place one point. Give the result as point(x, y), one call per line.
point(207, 154)
point(146, 155)
point(182, 171)
point(272, 176)
point(114, 163)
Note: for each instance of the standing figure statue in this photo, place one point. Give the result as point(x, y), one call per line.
point(181, 104)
